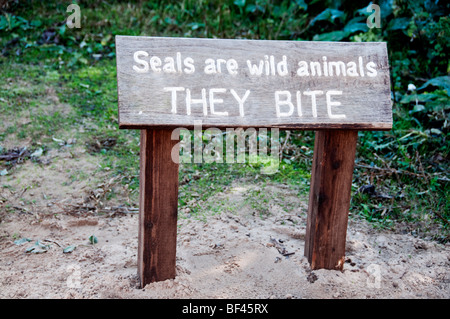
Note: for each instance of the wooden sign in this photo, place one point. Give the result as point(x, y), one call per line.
point(170, 82)
point(331, 87)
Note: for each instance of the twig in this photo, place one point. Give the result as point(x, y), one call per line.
point(281, 249)
point(440, 216)
point(52, 241)
point(401, 277)
point(288, 134)
point(396, 171)
point(122, 209)
point(22, 210)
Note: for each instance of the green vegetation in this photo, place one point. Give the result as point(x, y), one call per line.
point(59, 83)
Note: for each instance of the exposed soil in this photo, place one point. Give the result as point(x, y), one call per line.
point(230, 252)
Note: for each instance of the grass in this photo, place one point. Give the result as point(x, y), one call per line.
point(60, 83)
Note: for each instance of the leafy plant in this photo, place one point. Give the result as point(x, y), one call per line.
point(93, 240)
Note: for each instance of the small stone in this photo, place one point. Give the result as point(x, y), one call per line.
point(312, 277)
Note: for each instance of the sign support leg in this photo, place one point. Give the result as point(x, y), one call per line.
point(329, 198)
point(158, 204)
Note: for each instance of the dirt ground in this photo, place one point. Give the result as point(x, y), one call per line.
point(229, 252)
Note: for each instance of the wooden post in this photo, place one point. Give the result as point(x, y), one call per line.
point(154, 97)
point(329, 198)
point(158, 204)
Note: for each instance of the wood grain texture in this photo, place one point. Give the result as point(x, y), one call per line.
point(158, 206)
point(365, 100)
point(329, 198)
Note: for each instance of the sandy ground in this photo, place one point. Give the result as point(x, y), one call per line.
point(231, 251)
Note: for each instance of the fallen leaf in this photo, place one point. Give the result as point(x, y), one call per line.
point(69, 249)
point(21, 241)
point(37, 248)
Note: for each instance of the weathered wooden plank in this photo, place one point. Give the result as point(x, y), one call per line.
point(329, 198)
point(171, 82)
point(158, 206)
